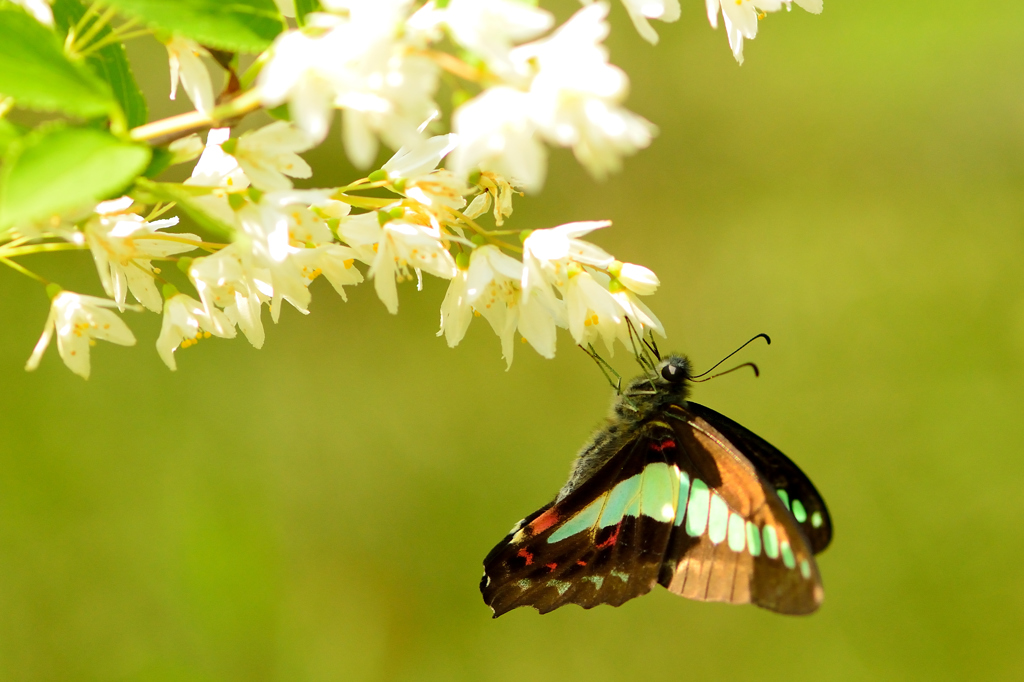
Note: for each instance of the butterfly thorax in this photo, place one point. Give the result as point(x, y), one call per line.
point(642, 399)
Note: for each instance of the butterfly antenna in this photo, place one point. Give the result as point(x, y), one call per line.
point(751, 365)
point(767, 339)
point(607, 370)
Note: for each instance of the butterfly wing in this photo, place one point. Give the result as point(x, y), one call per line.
point(604, 543)
point(733, 540)
point(792, 485)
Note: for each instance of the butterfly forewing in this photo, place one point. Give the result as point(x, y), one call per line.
point(603, 544)
point(795, 490)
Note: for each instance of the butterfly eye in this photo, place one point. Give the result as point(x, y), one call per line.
point(669, 372)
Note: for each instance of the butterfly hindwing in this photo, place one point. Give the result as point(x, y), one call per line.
point(797, 492)
point(604, 543)
point(736, 541)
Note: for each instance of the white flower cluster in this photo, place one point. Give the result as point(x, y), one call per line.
point(519, 86)
point(287, 238)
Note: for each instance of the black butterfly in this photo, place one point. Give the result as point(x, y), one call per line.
point(669, 492)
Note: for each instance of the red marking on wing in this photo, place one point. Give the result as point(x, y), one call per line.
point(552, 567)
point(524, 553)
point(612, 539)
point(581, 563)
point(544, 521)
point(663, 445)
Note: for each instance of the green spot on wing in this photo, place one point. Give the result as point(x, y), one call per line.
point(737, 532)
point(524, 583)
point(582, 521)
point(559, 585)
point(620, 496)
point(598, 580)
point(684, 493)
point(658, 492)
point(771, 542)
point(718, 519)
point(799, 513)
point(787, 555)
point(816, 519)
point(624, 577)
point(753, 539)
point(805, 569)
point(784, 496)
point(697, 508)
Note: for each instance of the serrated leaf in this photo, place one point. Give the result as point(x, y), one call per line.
point(35, 71)
point(58, 169)
point(304, 7)
point(185, 197)
point(109, 63)
point(233, 25)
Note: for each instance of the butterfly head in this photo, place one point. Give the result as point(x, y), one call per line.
point(668, 384)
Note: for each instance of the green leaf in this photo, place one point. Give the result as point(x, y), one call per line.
point(304, 7)
point(9, 132)
point(35, 71)
point(109, 63)
point(233, 25)
point(57, 169)
point(184, 196)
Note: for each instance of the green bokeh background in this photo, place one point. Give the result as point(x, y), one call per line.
point(318, 510)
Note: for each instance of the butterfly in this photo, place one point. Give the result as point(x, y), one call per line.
point(673, 493)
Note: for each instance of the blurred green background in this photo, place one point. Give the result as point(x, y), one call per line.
point(318, 510)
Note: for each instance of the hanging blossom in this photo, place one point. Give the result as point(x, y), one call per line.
point(568, 95)
point(185, 57)
point(741, 17)
point(641, 11)
point(124, 245)
point(563, 281)
point(186, 322)
point(362, 59)
point(78, 321)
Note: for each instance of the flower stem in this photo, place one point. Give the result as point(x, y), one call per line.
point(6, 252)
point(184, 124)
point(23, 270)
point(82, 41)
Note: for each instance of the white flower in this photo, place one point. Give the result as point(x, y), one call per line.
point(410, 162)
point(496, 133)
point(217, 168)
point(123, 246)
point(301, 71)
point(456, 312)
point(334, 261)
point(593, 311)
point(636, 278)
point(642, 10)
point(415, 165)
point(538, 316)
point(270, 153)
point(575, 95)
point(78, 320)
point(40, 9)
point(741, 17)
point(186, 321)
point(639, 314)
point(404, 245)
point(222, 281)
point(489, 28)
point(362, 232)
point(493, 291)
point(547, 253)
point(187, 66)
